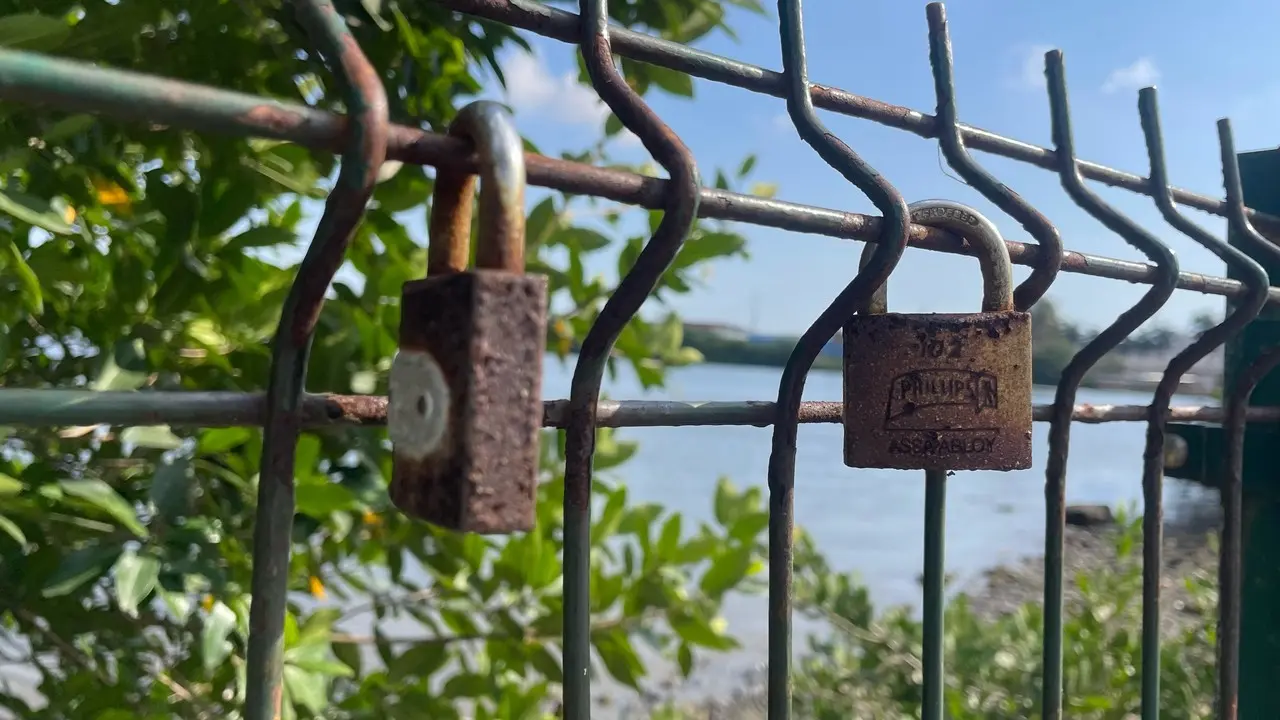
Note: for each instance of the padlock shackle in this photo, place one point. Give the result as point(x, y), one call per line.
point(977, 230)
point(500, 152)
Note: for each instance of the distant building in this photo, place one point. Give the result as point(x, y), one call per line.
point(721, 331)
point(1141, 369)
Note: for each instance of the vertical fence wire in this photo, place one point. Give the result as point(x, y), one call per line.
point(1108, 339)
point(1237, 404)
point(680, 210)
point(782, 457)
point(998, 297)
point(273, 529)
point(1245, 311)
point(951, 140)
point(366, 138)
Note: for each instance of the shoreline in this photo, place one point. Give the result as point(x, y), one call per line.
point(1188, 549)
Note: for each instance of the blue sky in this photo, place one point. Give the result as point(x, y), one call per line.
point(1208, 59)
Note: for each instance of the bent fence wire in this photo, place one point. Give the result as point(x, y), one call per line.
point(365, 139)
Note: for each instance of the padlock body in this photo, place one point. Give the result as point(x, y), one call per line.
point(938, 391)
point(471, 351)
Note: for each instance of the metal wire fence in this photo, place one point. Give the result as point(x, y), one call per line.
point(365, 138)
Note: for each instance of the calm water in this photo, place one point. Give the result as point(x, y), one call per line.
point(868, 521)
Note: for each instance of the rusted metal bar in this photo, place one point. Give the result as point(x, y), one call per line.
point(79, 408)
point(1237, 412)
point(871, 275)
point(75, 86)
point(561, 25)
point(1129, 321)
point(951, 140)
point(680, 206)
point(1244, 313)
point(273, 527)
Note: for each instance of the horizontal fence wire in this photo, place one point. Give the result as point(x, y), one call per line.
point(365, 138)
point(80, 87)
point(562, 25)
point(85, 408)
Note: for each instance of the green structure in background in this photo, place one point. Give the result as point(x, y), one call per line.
point(1260, 619)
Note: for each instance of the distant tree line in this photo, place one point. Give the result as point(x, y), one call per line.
point(1055, 340)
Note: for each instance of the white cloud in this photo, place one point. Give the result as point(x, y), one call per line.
point(1142, 73)
point(1031, 71)
point(531, 88)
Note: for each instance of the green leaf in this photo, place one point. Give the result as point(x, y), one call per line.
point(179, 604)
point(709, 246)
point(612, 125)
point(33, 32)
point(727, 570)
point(262, 236)
point(114, 377)
point(728, 502)
point(68, 127)
point(685, 657)
point(469, 685)
point(11, 529)
point(156, 437)
point(348, 654)
point(34, 211)
point(218, 624)
point(698, 631)
point(79, 567)
point(583, 240)
point(32, 295)
point(102, 496)
point(619, 656)
point(747, 164)
point(171, 488)
point(419, 661)
point(310, 690)
point(10, 485)
point(669, 539)
point(220, 440)
point(673, 81)
point(320, 499)
point(136, 576)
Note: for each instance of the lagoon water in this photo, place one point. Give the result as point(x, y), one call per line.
point(868, 521)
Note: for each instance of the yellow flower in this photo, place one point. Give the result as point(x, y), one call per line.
point(68, 214)
point(316, 587)
point(110, 194)
point(207, 603)
point(371, 518)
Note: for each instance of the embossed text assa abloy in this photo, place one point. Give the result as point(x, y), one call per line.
point(938, 391)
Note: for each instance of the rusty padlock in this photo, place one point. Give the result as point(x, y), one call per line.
point(942, 391)
point(465, 400)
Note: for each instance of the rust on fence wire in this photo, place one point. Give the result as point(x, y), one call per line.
point(1237, 409)
point(365, 139)
point(680, 209)
point(366, 144)
point(870, 277)
point(951, 140)
point(77, 86)
point(79, 410)
point(1068, 385)
point(1213, 338)
point(561, 25)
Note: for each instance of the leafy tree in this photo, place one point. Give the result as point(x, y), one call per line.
point(141, 257)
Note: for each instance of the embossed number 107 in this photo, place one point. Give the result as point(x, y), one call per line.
point(951, 347)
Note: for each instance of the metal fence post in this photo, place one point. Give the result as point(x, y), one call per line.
point(1205, 448)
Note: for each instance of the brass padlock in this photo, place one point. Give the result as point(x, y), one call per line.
point(465, 400)
point(941, 391)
